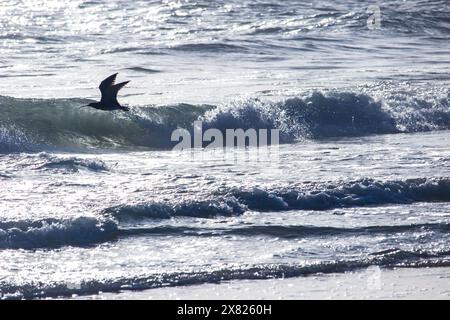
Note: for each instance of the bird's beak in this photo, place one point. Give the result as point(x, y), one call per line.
point(83, 106)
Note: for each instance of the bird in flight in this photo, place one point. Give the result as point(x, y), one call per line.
point(109, 90)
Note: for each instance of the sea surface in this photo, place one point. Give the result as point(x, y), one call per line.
point(94, 201)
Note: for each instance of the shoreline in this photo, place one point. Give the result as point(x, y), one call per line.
point(370, 283)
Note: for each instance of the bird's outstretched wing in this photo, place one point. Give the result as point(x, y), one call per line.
point(109, 91)
point(108, 82)
point(118, 86)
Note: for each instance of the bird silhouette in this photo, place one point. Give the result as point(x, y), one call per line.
point(109, 90)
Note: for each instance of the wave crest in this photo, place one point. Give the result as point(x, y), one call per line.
point(348, 194)
point(189, 208)
point(236, 201)
point(50, 233)
point(41, 124)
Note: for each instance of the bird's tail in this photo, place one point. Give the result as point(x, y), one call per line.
point(124, 108)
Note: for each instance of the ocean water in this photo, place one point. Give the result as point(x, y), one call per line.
point(95, 201)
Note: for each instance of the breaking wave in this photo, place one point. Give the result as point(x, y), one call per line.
point(113, 222)
point(189, 208)
point(46, 124)
point(389, 258)
point(364, 192)
point(51, 233)
point(88, 231)
point(236, 201)
point(49, 162)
